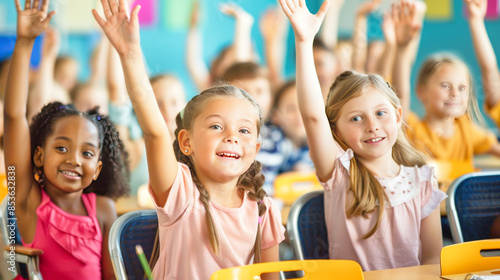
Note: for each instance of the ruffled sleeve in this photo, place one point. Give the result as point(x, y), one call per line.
point(430, 193)
point(273, 231)
point(340, 170)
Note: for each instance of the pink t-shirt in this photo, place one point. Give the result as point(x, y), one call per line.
point(185, 250)
point(71, 244)
point(413, 195)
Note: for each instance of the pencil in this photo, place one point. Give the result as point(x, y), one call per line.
point(144, 262)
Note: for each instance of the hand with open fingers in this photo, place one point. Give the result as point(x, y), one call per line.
point(305, 25)
point(476, 8)
point(122, 31)
point(388, 28)
point(273, 24)
point(32, 21)
point(237, 12)
point(406, 24)
point(368, 7)
point(51, 42)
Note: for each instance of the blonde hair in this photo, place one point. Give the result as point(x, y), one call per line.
point(433, 63)
point(365, 188)
point(251, 181)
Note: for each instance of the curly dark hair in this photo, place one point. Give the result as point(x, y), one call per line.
point(114, 177)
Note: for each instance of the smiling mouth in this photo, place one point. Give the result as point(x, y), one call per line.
point(374, 140)
point(228, 155)
point(70, 173)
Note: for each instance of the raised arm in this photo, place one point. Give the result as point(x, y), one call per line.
point(273, 26)
point(31, 22)
point(360, 35)
point(242, 41)
point(407, 31)
point(194, 60)
point(386, 60)
point(330, 29)
point(311, 105)
point(42, 91)
point(123, 33)
point(484, 51)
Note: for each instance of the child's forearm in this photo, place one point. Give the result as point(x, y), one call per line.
point(401, 73)
point(17, 81)
point(359, 44)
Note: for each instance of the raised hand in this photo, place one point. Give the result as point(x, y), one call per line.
point(32, 21)
point(305, 25)
point(122, 31)
point(368, 7)
point(406, 21)
point(51, 42)
point(237, 12)
point(476, 8)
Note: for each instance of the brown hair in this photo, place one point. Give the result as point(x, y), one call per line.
point(243, 71)
point(251, 181)
point(365, 188)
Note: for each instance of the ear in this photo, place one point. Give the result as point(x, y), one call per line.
point(421, 93)
point(38, 157)
point(184, 139)
point(399, 116)
point(258, 147)
point(97, 170)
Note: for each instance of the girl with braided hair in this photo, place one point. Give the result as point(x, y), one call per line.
point(64, 170)
point(207, 186)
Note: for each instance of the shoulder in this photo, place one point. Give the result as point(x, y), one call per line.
point(105, 210)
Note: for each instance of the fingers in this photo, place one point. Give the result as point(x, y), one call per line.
point(291, 5)
point(302, 3)
point(323, 9)
point(98, 18)
point(27, 4)
point(285, 8)
point(35, 5)
point(113, 5)
point(49, 16)
point(105, 9)
point(18, 6)
point(45, 5)
point(134, 15)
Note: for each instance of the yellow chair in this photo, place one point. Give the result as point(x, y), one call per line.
point(313, 269)
point(466, 257)
point(289, 186)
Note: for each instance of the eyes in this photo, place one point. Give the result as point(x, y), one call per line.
point(241, 130)
point(87, 154)
point(379, 113)
point(447, 86)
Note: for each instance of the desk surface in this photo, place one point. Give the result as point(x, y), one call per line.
point(423, 272)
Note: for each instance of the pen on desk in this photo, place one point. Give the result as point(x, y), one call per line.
point(144, 262)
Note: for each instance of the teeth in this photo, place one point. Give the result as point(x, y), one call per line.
point(228, 155)
point(70, 173)
point(374, 140)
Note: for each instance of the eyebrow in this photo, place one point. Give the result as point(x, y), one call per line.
point(69, 140)
point(221, 117)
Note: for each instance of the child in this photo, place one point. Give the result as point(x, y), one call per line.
point(444, 85)
point(381, 201)
point(65, 180)
point(212, 210)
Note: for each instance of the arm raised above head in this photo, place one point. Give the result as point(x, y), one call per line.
point(123, 33)
point(311, 105)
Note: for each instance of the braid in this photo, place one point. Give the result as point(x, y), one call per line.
point(115, 174)
point(204, 195)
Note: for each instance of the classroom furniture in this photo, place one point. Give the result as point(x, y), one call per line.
point(472, 205)
point(421, 272)
point(130, 229)
point(289, 186)
point(466, 257)
point(26, 259)
point(313, 269)
point(307, 228)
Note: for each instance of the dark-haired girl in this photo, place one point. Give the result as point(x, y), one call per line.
point(66, 169)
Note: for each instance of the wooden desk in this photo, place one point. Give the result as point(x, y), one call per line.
point(423, 272)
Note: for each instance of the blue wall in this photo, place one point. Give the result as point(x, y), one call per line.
point(164, 48)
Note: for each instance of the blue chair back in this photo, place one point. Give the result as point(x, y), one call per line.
point(472, 205)
point(307, 228)
point(129, 230)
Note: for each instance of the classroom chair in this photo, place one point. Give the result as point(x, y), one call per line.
point(313, 269)
point(130, 229)
point(25, 260)
point(289, 186)
point(466, 257)
point(473, 203)
point(307, 228)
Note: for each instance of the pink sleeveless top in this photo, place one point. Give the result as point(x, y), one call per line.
point(71, 244)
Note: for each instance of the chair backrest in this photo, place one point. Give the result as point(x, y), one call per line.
point(289, 186)
point(130, 229)
point(472, 205)
point(313, 269)
point(307, 228)
point(466, 257)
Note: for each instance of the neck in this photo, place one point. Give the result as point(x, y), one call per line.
point(443, 127)
point(225, 194)
point(71, 203)
point(382, 167)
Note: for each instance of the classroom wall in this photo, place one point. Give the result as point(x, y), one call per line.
point(163, 33)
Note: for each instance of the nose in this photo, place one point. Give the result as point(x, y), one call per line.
point(371, 125)
point(453, 92)
point(231, 137)
point(73, 159)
